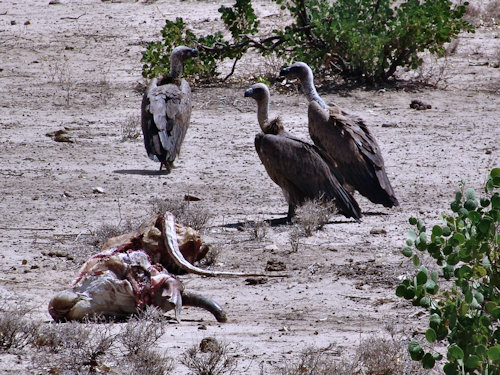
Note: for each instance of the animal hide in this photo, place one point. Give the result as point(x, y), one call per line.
point(132, 271)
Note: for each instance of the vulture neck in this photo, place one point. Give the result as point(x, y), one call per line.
point(175, 66)
point(268, 127)
point(263, 113)
point(310, 90)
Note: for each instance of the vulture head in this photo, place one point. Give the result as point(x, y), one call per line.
point(304, 73)
point(177, 58)
point(259, 92)
point(299, 70)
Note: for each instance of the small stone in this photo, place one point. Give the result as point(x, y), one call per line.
point(98, 190)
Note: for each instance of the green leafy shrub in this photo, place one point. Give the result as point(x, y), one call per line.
point(463, 299)
point(362, 39)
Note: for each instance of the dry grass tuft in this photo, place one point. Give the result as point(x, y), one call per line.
point(105, 231)
point(76, 348)
point(16, 329)
point(257, 230)
point(375, 356)
point(211, 258)
point(148, 362)
point(312, 215)
point(312, 361)
point(295, 234)
point(209, 358)
point(141, 333)
point(185, 212)
point(130, 129)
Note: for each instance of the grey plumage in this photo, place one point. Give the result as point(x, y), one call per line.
point(347, 142)
point(296, 166)
point(166, 111)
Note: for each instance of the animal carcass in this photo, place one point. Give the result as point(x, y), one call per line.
point(132, 271)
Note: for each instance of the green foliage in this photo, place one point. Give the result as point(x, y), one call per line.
point(463, 300)
point(362, 39)
point(156, 57)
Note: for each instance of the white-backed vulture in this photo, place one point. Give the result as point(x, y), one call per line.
point(297, 167)
point(166, 111)
point(346, 140)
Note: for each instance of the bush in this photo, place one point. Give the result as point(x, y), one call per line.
point(463, 299)
point(362, 39)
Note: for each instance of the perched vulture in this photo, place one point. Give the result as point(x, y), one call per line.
point(166, 110)
point(347, 142)
point(294, 165)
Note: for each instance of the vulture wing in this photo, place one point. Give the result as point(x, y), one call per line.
point(353, 150)
point(301, 172)
point(166, 111)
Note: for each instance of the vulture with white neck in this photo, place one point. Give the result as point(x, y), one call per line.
point(297, 167)
point(166, 111)
point(346, 140)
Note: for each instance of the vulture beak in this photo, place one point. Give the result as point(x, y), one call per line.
point(248, 93)
point(194, 52)
point(284, 72)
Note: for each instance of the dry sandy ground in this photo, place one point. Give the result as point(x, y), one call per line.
point(75, 65)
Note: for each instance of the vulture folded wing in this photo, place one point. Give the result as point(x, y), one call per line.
point(351, 147)
point(300, 171)
point(166, 111)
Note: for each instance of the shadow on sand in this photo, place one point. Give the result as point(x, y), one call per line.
point(142, 172)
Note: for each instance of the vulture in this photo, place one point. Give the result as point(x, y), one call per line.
point(166, 110)
point(347, 142)
point(297, 167)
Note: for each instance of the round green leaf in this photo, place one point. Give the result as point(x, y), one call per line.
point(454, 352)
point(416, 260)
point(470, 204)
point(425, 302)
point(434, 276)
point(437, 230)
point(484, 202)
point(416, 351)
point(473, 362)
point(413, 221)
point(470, 193)
point(401, 290)
point(450, 368)
point(446, 231)
point(431, 287)
point(407, 251)
point(459, 237)
point(495, 201)
point(494, 353)
point(484, 225)
point(490, 306)
point(434, 320)
point(430, 335)
point(474, 216)
point(479, 297)
point(412, 235)
point(423, 237)
point(421, 278)
point(428, 361)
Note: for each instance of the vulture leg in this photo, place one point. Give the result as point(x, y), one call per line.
point(291, 213)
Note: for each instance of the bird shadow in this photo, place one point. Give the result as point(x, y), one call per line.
point(375, 213)
point(142, 172)
point(276, 222)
